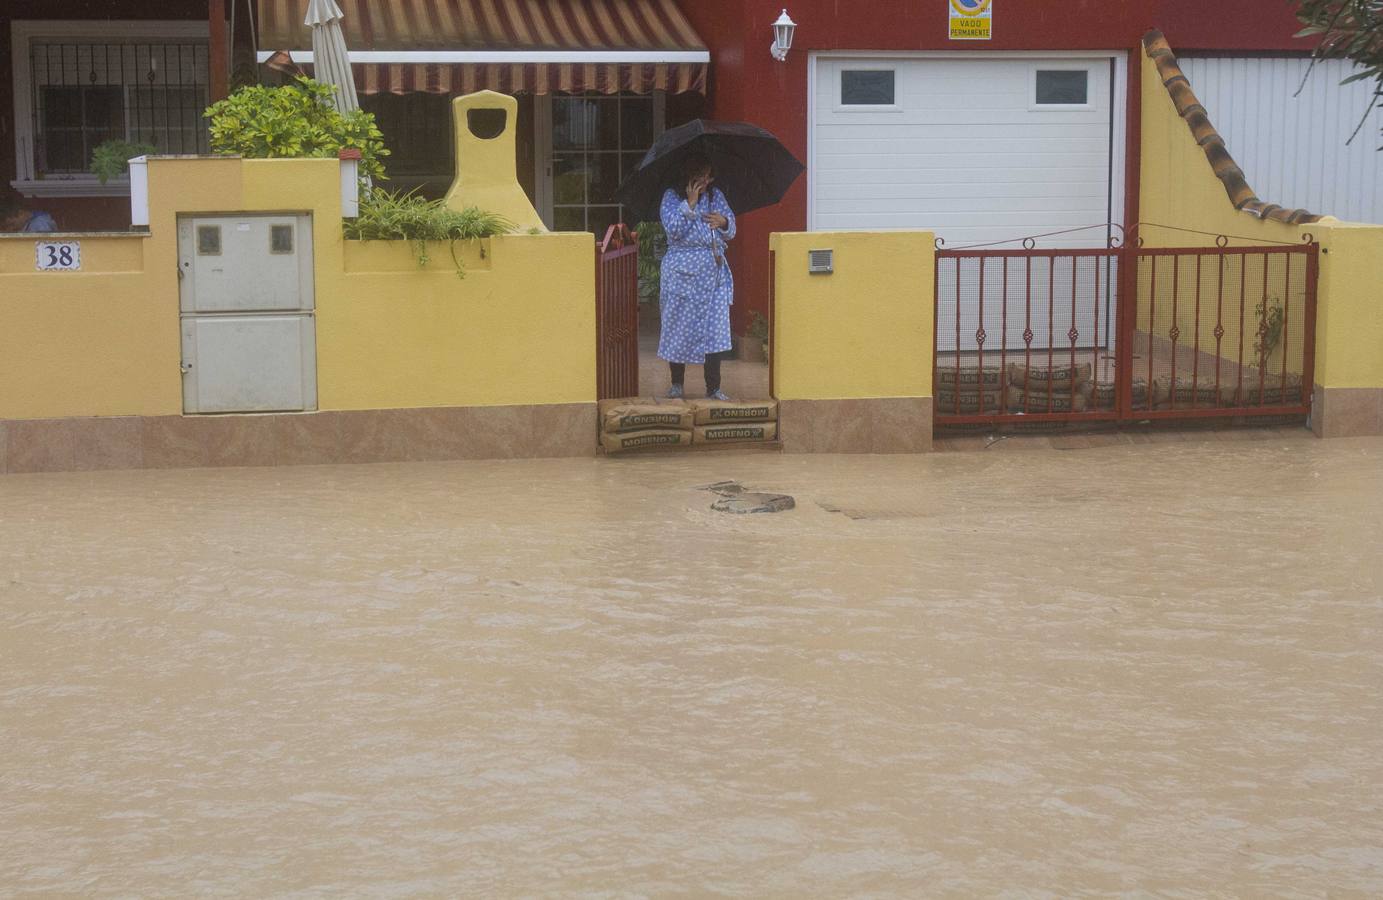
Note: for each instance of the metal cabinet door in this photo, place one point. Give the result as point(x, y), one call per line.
point(237, 264)
point(252, 363)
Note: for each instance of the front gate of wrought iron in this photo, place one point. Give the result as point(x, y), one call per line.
point(617, 313)
point(1126, 334)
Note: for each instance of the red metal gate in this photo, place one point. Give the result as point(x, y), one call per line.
point(1124, 334)
point(617, 313)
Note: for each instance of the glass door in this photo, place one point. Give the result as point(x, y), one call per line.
point(588, 144)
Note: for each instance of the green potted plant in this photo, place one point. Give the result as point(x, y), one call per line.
point(111, 159)
point(294, 121)
point(1270, 318)
point(652, 246)
point(753, 347)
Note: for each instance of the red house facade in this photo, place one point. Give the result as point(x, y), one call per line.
point(901, 125)
point(748, 83)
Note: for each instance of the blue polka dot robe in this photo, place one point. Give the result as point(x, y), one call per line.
point(697, 287)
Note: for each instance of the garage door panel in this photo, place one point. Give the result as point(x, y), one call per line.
point(1002, 166)
point(975, 128)
point(1002, 224)
point(966, 150)
point(884, 143)
point(952, 207)
point(961, 180)
point(1083, 192)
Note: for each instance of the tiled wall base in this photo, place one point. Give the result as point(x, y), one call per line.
point(362, 436)
point(1347, 412)
point(877, 425)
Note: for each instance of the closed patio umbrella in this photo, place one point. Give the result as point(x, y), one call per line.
point(330, 60)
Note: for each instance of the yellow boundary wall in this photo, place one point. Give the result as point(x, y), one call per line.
point(519, 329)
point(1178, 187)
point(867, 329)
point(853, 350)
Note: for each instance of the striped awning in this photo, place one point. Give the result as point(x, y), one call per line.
point(511, 46)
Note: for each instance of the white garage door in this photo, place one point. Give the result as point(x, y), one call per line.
point(979, 149)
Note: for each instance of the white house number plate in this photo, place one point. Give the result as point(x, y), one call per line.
point(59, 256)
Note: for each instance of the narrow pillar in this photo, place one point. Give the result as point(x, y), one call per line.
point(219, 51)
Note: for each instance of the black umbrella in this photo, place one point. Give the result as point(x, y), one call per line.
point(752, 168)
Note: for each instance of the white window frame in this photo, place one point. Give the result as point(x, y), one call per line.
point(23, 33)
point(542, 139)
point(838, 70)
point(1087, 68)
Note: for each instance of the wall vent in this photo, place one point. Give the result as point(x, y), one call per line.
point(821, 262)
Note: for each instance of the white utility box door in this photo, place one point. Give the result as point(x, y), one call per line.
point(248, 333)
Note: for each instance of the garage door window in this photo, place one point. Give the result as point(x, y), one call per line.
point(1062, 88)
point(867, 87)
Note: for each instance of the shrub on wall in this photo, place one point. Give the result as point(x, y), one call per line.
point(294, 121)
point(392, 216)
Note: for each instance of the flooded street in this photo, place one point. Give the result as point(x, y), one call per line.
point(1148, 668)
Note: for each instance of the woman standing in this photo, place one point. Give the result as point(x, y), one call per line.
point(697, 287)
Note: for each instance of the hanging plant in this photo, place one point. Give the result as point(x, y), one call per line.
point(394, 216)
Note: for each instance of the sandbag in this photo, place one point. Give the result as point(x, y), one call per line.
point(948, 400)
point(1103, 392)
point(1271, 395)
point(715, 412)
point(633, 415)
point(969, 377)
point(1186, 393)
point(1042, 377)
point(1058, 401)
point(639, 440)
point(736, 432)
point(1274, 391)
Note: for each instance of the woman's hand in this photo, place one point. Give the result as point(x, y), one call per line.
point(716, 220)
point(695, 188)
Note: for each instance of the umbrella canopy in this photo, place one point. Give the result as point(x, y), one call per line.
point(752, 168)
point(330, 60)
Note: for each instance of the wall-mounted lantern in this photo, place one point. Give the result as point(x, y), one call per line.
point(782, 36)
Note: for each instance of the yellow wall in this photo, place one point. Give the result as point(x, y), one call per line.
point(1179, 188)
point(486, 171)
point(519, 329)
point(105, 341)
point(99, 341)
point(864, 331)
point(1349, 310)
point(1178, 185)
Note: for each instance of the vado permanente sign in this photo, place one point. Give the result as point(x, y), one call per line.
point(971, 20)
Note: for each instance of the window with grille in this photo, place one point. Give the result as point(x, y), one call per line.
point(83, 92)
point(597, 141)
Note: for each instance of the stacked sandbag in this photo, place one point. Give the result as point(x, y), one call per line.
point(1043, 389)
point(734, 421)
point(1185, 393)
point(1253, 389)
point(968, 390)
point(1103, 393)
point(1063, 400)
point(636, 423)
point(1269, 390)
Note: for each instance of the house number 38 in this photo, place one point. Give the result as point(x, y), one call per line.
point(59, 255)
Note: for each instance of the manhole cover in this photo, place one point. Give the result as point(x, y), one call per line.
point(754, 503)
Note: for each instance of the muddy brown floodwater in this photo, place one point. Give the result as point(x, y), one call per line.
point(1152, 669)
